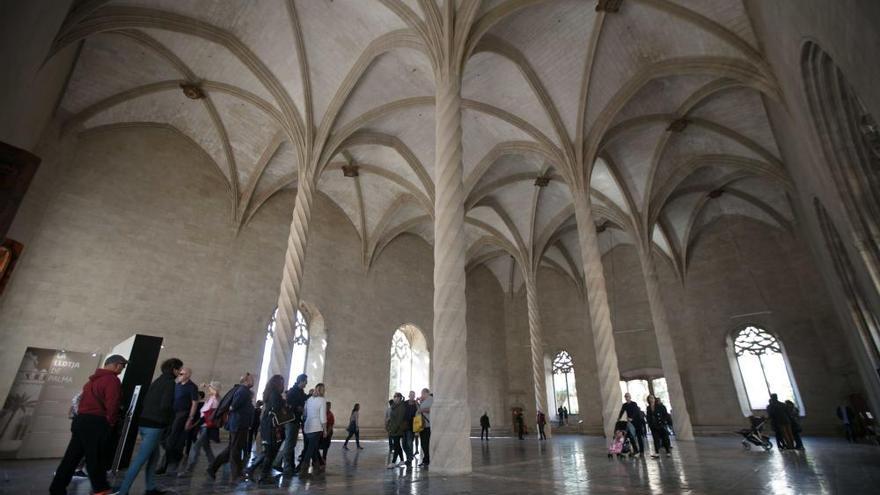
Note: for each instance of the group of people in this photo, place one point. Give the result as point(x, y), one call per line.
point(785, 419)
point(562, 415)
point(655, 417)
point(178, 421)
point(408, 423)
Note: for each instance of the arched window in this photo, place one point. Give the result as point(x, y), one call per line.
point(300, 349)
point(762, 367)
point(564, 389)
point(410, 362)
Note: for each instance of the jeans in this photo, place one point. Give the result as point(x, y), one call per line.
point(147, 454)
point(425, 437)
point(357, 437)
point(408, 437)
point(174, 442)
point(203, 442)
point(661, 437)
point(234, 454)
point(288, 451)
point(89, 438)
point(313, 442)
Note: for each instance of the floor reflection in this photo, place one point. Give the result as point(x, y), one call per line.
point(563, 464)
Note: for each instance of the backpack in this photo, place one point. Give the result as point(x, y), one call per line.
point(417, 423)
point(221, 414)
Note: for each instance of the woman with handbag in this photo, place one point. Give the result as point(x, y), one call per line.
point(208, 432)
point(354, 429)
point(274, 415)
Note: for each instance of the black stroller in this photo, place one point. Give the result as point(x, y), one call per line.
point(754, 435)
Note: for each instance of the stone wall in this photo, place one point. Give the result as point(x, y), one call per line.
point(847, 31)
point(127, 231)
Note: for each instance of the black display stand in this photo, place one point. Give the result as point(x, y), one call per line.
point(142, 358)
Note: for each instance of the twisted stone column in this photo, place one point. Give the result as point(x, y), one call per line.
point(600, 315)
point(681, 419)
point(450, 421)
point(291, 278)
point(536, 339)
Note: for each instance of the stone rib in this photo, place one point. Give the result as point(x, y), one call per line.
point(681, 419)
point(450, 422)
point(291, 279)
point(536, 339)
point(600, 316)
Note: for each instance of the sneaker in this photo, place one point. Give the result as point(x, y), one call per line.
point(391, 465)
point(655, 456)
point(360, 448)
point(669, 454)
point(79, 473)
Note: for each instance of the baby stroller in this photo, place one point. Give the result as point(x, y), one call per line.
point(620, 445)
point(754, 435)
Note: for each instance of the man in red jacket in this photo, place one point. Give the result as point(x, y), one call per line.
point(98, 412)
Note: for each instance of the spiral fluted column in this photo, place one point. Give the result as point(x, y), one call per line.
point(536, 339)
point(600, 316)
point(450, 421)
point(291, 279)
point(681, 419)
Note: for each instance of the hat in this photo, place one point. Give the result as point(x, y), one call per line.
point(115, 359)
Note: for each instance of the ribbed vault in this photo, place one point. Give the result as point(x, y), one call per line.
point(657, 110)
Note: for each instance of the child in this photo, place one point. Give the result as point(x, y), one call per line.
point(616, 446)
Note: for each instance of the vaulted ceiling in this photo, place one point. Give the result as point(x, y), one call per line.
point(666, 95)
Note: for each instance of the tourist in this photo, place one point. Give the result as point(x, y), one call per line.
point(296, 400)
point(273, 403)
point(208, 430)
point(354, 427)
point(186, 403)
point(794, 417)
point(97, 414)
point(241, 414)
point(846, 416)
point(412, 408)
point(397, 430)
point(327, 438)
point(565, 414)
point(560, 416)
point(425, 403)
point(658, 419)
point(781, 423)
point(542, 421)
point(484, 426)
point(635, 415)
point(520, 424)
point(157, 414)
point(315, 425)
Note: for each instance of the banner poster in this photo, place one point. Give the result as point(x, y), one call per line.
point(35, 421)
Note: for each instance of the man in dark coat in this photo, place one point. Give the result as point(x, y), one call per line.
point(484, 426)
point(635, 415)
point(97, 413)
point(156, 415)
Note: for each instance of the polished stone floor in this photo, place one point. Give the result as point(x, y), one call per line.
point(565, 464)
